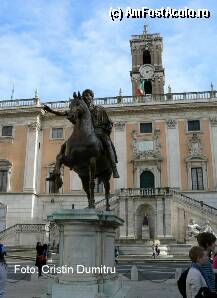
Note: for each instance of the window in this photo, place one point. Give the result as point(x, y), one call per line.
point(146, 57)
point(51, 185)
point(147, 179)
point(7, 131)
point(197, 178)
point(148, 87)
point(146, 127)
point(193, 125)
point(3, 180)
point(5, 171)
point(98, 186)
point(57, 133)
point(5, 174)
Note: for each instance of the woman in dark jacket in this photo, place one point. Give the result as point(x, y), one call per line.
point(45, 253)
point(40, 258)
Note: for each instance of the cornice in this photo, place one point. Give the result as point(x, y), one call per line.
point(165, 108)
point(120, 109)
point(19, 112)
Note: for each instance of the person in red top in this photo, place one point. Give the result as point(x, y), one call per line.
point(214, 266)
point(39, 258)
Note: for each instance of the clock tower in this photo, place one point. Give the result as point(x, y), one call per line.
point(147, 74)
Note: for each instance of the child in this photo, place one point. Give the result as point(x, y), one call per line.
point(195, 278)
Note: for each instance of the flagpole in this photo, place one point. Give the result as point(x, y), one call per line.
point(12, 93)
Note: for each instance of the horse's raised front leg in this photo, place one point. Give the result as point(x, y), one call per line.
point(59, 160)
point(92, 180)
point(55, 176)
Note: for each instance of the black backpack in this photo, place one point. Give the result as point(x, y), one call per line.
point(205, 293)
point(182, 283)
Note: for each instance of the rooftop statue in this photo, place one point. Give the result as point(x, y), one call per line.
point(89, 150)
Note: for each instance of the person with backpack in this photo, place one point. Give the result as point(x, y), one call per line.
point(207, 240)
point(195, 278)
point(3, 271)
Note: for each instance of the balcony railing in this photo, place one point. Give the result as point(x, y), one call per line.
point(133, 100)
point(150, 36)
point(160, 191)
point(8, 104)
point(118, 100)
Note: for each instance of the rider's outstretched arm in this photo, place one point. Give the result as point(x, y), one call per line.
point(58, 113)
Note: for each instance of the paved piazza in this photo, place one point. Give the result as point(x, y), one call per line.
point(155, 278)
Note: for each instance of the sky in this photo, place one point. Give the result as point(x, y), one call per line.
point(59, 47)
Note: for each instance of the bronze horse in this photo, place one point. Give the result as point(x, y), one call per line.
point(83, 153)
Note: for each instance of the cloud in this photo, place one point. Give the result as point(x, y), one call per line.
point(105, 62)
point(62, 46)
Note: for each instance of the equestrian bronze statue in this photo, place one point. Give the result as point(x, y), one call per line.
point(89, 150)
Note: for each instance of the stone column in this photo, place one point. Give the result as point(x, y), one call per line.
point(131, 219)
point(30, 173)
point(120, 145)
point(181, 225)
point(213, 138)
point(168, 218)
point(160, 219)
point(122, 215)
point(173, 156)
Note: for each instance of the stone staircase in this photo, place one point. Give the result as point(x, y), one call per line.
point(23, 235)
point(101, 205)
point(200, 206)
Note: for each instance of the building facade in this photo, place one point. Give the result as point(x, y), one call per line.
point(166, 145)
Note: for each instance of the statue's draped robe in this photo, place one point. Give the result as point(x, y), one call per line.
point(101, 121)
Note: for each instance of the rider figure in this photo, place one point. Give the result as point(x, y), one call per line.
point(103, 126)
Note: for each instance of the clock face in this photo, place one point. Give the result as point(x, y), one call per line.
point(147, 71)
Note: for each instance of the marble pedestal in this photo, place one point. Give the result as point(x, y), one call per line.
point(86, 245)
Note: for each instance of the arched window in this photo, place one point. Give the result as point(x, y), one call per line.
point(148, 87)
point(146, 57)
point(5, 173)
point(147, 179)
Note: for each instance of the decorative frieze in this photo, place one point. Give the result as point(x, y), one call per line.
point(213, 121)
point(34, 126)
point(135, 46)
point(120, 125)
point(171, 123)
point(194, 144)
point(135, 77)
point(144, 149)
